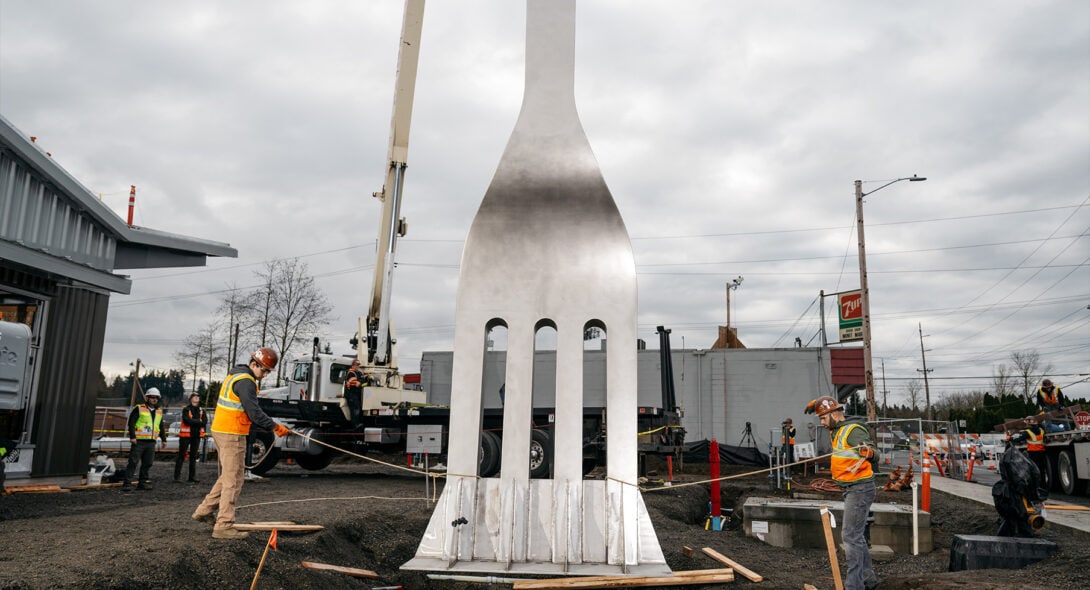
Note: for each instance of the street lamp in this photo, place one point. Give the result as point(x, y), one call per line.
point(868, 367)
point(731, 286)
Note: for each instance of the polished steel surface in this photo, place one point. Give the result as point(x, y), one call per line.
point(548, 247)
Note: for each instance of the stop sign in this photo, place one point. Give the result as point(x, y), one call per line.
point(1082, 419)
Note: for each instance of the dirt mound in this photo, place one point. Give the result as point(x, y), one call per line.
point(374, 519)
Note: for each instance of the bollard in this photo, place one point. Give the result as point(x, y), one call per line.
point(669, 470)
point(925, 494)
point(717, 508)
point(972, 459)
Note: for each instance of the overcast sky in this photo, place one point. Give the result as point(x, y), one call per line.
point(730, 134)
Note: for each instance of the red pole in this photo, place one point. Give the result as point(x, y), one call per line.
point(670, 468)
point(132, 201)
point(925, 495)
point(972, 459)
point(717, 508)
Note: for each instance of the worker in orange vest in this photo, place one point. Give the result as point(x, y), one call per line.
point(1034, 437)
point(851, 463)
point(787, 443)
point(236, 410)
point(189, 438)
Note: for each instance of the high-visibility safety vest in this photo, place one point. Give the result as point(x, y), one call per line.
point(1050, 399)
point(845, 459)
point(230, 416)
point(787, 436)
point(1036, 442)
point(147, 427)
point(183, 431)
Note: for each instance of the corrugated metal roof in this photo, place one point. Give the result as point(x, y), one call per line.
point(51, 222)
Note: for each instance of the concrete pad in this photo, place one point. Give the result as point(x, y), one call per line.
point(797, 523)
point(881, 553)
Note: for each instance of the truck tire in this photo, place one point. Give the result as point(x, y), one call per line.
point(314, 462)
point(1066, 476)
point(1048, 478)
point(263, 455)
point(541, 454)
point(488, 463)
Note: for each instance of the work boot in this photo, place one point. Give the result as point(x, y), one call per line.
point(229, 534)
point(145, 485)
point(126, 487)
point(207, 518)
point(192, 480)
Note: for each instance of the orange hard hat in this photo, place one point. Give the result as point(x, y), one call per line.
point(823, 405)
point(266, 357)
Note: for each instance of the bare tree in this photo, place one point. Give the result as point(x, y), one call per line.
point(913, 389)
point(1004, 381)
point(1028, 369)
point(264, 300)
point(200, 351)
point(297, 307)
point(238, 311)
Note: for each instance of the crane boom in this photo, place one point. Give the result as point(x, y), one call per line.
point(380, 340)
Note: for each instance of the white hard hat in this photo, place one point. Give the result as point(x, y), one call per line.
point(153, 392)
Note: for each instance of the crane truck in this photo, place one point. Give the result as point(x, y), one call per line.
point(1068, 450)
point(396, 419)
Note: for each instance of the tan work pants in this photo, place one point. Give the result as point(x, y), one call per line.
point(231, 453)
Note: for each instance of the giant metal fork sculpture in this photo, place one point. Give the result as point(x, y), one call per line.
point(547, 248)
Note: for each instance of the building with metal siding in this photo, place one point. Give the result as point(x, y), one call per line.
point(59, 248)
point(719, 390)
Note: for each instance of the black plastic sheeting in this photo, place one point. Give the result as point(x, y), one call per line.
point(697, 452)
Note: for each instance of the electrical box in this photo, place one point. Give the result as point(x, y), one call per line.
point(382, 436)
point(425, 438)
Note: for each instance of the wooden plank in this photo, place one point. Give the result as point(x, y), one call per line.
point(827, 525)
point(809, 587)
point(340, 569)
point(295, 528)
point(100, 486)
point(275, 523)
point(723, 559)
point(44, 487)
point(627, 581)
point(1067, 507)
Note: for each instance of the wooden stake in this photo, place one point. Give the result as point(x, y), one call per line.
point(261, 564)
point(746, 572)
point(825, 522)
point(687, 550)
point(348, 571)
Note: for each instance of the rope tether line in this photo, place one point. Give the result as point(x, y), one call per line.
point(637, 486)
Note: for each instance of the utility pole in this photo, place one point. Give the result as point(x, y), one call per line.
point(925, 371)
point(885, 391)
point(135, 384)
point(868, 366)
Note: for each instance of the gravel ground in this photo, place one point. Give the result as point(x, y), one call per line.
point(104, 539)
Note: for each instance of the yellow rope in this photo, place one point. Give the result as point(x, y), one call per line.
point(365, 458)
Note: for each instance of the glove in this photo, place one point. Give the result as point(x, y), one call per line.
point(281, 430)
point(866, 452)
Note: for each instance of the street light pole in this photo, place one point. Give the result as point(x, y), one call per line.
point(868, 365)
point(734, 284)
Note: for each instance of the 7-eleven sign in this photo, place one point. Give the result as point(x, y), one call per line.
point(851, 315)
